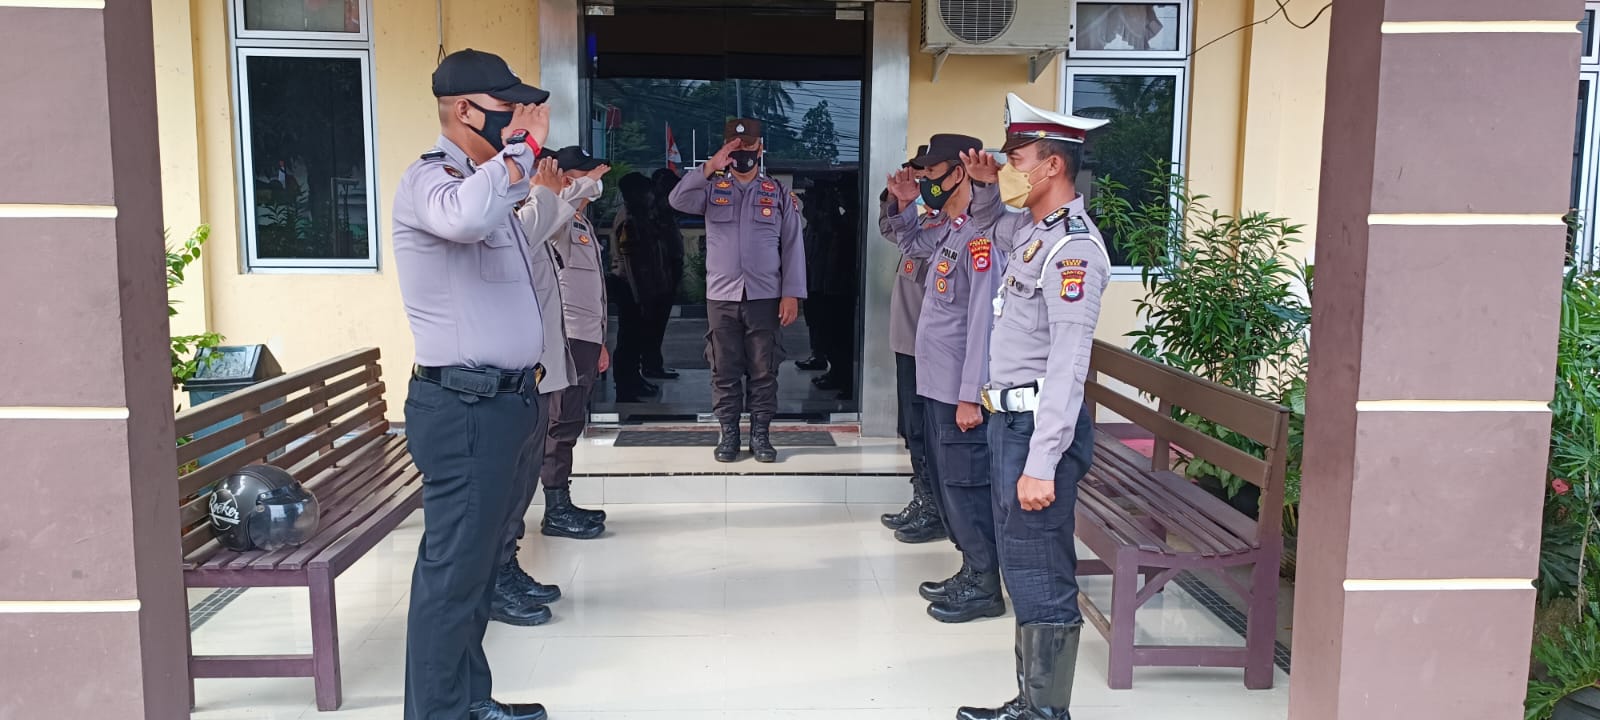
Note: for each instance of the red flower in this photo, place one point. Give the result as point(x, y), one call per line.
point(1561, 487)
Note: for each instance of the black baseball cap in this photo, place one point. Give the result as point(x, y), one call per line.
point(468, 72)
point(945, 147)
point(921, 150)
point(573, 157)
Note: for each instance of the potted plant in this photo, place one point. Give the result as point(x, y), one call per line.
point(1223, 299)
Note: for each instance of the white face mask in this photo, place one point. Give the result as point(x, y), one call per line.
point(583, 189)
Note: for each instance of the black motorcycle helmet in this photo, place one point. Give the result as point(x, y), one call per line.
point(262, 507)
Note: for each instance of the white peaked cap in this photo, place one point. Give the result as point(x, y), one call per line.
point(1027, 124)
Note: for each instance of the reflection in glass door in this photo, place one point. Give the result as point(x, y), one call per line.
point(657, 110)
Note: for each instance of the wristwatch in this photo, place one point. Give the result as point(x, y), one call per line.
point(518, 137)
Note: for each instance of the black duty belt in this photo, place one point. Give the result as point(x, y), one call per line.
point(485, 381)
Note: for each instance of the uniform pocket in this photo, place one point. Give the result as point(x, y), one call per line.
point(963, 456)
point(720, 213)
point(1060, 513)
point(499, 259)
point(1021, 309)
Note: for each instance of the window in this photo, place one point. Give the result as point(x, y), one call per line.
point(1128, 64)
point(302, 72)
point(1582, 218)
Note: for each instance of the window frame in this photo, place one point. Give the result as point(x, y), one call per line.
point(240, 32)
point(1591, 54)
point(1139, 64)
point(1185, 28)
point(1587, 172)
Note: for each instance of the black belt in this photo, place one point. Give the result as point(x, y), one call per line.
point(482, 380)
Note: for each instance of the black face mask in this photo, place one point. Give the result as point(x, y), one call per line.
point(745, 160)
point(934, 196)
point(494, 123)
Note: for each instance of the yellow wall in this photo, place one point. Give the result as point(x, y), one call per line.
point(1254, 143)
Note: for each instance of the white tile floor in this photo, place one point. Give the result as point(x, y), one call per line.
point(694, 611)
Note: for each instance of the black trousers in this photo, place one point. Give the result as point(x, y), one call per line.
point(912, 426)
point(657, 316)
point(745, 347)
point(1037, 557)
point(633, 332)
point(468, 449)
point(569, 413)
point(961, 464)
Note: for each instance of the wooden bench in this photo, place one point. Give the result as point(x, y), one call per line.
point(325, 425)
point(1142, 519)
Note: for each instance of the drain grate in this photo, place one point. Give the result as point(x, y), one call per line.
point(708, 438)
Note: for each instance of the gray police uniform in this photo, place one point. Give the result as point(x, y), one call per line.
point(466, 277)
point(583, 294)
point(754, 257)
point(556, 361)
point(1045, 316)
point(951, 348)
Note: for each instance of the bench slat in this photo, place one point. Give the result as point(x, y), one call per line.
point(1130, 492)
point(331, 457)
point(258, 450)
point(1190, 497)
point(400, 482)
point(192, 450)
point(198, 418)
point(367, 410)
point(355, 544)
point(1199, 530)
point(1251, 468)
point(1121, 526)
point(1241, 412)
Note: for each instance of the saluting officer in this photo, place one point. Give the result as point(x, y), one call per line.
point(583, 301)
point(952, 347)
point(905, 306)
point(755, 279)
point(467, 283)
point(1041, 436)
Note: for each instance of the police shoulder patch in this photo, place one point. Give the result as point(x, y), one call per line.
point(1072, 263)
point(453, 172)
point(979, 249)
point(1076, 224)
point(1072, 285)
point(1054, 218)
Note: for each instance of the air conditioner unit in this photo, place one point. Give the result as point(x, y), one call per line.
point(1040, 29)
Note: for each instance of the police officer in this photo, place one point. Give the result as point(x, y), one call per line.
point(463, 263)
point(575, 245)
point(1040, 437)
point(755, 279)
point(905, 306)
point(952, 346)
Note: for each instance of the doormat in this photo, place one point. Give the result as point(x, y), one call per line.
point(708, 438)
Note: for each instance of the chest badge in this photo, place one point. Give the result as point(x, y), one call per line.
point(583, 239)
point(1027, 255)
point(769, 187)
point(979, 248)
point(1072, 285)
point(766, 201)
point(720, 201)
point(943, 267)
point(942, 285)
point(453, 172)
point(724, 185)
point(766, 212)
point(910, 267)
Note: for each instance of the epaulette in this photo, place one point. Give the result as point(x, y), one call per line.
point(433, 155)
point(1054, 218)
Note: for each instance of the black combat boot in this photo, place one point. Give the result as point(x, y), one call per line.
point(936, 590)
point(519, 580)
point(979, 597)
point(728, 445)
point(596, 515)
point(761, 441)
point(1013, 709)
point(927, 526)
point(491, 710)
point(513, 607)
point(898, 520)
point(563, 519)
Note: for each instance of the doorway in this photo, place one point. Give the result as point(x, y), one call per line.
point(658, 81)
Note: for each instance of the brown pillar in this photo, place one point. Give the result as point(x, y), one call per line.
point(92, 618)
point(1446, 162)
